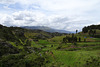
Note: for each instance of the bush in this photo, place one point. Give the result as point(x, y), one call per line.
point(93, 62)
point(19, 60)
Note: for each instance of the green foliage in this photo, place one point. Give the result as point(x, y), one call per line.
point(85, 29)
point(92, 62)
point(70, 39)
point(76, 31)
point(22, 60)
point(79, 39)
point(6, 48)
point(35, 48)
point(44, 42)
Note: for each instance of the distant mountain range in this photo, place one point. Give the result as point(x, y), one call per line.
point(47, 29)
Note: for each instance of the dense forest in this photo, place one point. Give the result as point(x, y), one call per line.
point(91, 30)
point(86, 28)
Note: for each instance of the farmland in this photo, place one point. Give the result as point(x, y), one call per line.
point(23, 48)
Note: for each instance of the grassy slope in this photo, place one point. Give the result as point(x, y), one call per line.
point(74, 58)
point(70, 58)
point(61, 58)
point(64, 58)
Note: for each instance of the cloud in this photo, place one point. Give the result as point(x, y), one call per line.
point(59, 14)
point(22, 18)
point(55, 5)
point(7, 2)
point(34, 18)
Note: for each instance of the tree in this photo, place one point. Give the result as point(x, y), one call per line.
point(76, 31)
point(84, 40)
point(51, 45)
point(1, 26)
point(79, 39)
point(91, 32)
point(94, 32)
point(72, 35)
point(75, 39)
point(85, 30)
point(65, 40)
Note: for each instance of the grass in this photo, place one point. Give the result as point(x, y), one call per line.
point(30, 35)
point(97, 39)
point(43, 42)
point(19, 46)
point(33, 44)
point(66, 56)
point(69, 58)
point(74, 57)
point(56, 39)
point(88, 43)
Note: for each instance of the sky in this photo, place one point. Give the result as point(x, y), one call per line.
point(58, 14)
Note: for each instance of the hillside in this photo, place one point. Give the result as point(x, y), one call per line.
point(87, 28)
point(92, 30)
point(21, 47)
point(47, 29)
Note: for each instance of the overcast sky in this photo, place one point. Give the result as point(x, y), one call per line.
point(59, 14)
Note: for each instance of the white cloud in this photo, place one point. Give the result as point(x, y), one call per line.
point(59, 14)
point(7, 1)
point(32, 18)
point(22, 18)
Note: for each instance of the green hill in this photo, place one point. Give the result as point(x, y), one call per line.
point(36, 48)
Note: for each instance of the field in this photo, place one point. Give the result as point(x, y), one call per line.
point(72, 55)
point(28, 48)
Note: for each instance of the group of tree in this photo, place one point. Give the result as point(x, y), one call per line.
point(92, 32)
point(71, 39)
point(91, 27)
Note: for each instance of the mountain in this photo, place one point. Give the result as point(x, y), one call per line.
point(47, 29)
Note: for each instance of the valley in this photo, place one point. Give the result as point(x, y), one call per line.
point(21, 47)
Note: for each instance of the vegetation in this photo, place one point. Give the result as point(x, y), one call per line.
point(36, 48)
